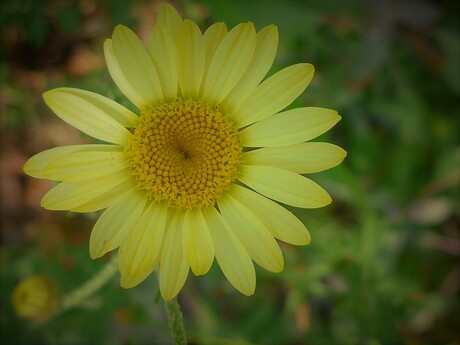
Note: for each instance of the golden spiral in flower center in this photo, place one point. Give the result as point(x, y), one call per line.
point(184, 152)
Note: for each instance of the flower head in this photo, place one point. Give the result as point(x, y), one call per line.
point(198, 171)
point(35, 298)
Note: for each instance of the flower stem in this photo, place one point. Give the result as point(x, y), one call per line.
point(80, 294)
point(176, 323)
point(90, 287)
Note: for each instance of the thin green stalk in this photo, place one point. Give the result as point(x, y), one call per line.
point(83, 292)
point(80, 294)
point(176, 323)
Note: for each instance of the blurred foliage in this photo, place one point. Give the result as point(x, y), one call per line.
point(383, 264)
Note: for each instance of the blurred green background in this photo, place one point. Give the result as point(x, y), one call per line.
point(383, 264)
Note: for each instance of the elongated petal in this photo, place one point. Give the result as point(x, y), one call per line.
point(252, 233)
point(274, 94)
point(282, 224)
point(173, 264)
point(190, 53)
point(79, 166)
point(169, 19)
point(141, 253)
point(137, 65)
point(36, 165)
point(106, 199)
point(289, 127)
point(119, 113)
point(284, 186)
point(212, 38)
point(197, 242)
point(231, 255)
point(230, 62)
point(69, 195)
point(116, 223)
point(119, 77)
point(301, 158)
point(262, 60)
point(86, 116)
point(164, 55)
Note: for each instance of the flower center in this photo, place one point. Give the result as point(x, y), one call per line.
point(185, 153)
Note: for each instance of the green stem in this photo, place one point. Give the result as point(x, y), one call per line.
point(91, 286)
point(176, 323)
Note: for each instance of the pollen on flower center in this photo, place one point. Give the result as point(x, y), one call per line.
point(184, 152)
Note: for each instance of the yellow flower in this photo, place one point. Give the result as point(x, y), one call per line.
point(35, 298)
point(194, 174)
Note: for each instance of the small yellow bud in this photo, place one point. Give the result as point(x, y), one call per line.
point(35, 298)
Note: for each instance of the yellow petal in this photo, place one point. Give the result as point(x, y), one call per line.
point(79, 166)
point(252, 233)
point(140, 254)
point(282, 224)
point(173, 264)
point(190, 53)
point(304, 158)
point(289, 127)
point(163, 52)
point(136, 64)
point(197, 242)
point(274, 94)
point(116, 223)
point(262, 60)
point(119, 77)
point(119, 113)
point(106, 199)
point(212, 38)
point(284, 186)
point(230, 62)
point(231, 255)
point(169, 19)
point(86, 116)
point(69, 195)
point(36, 165)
